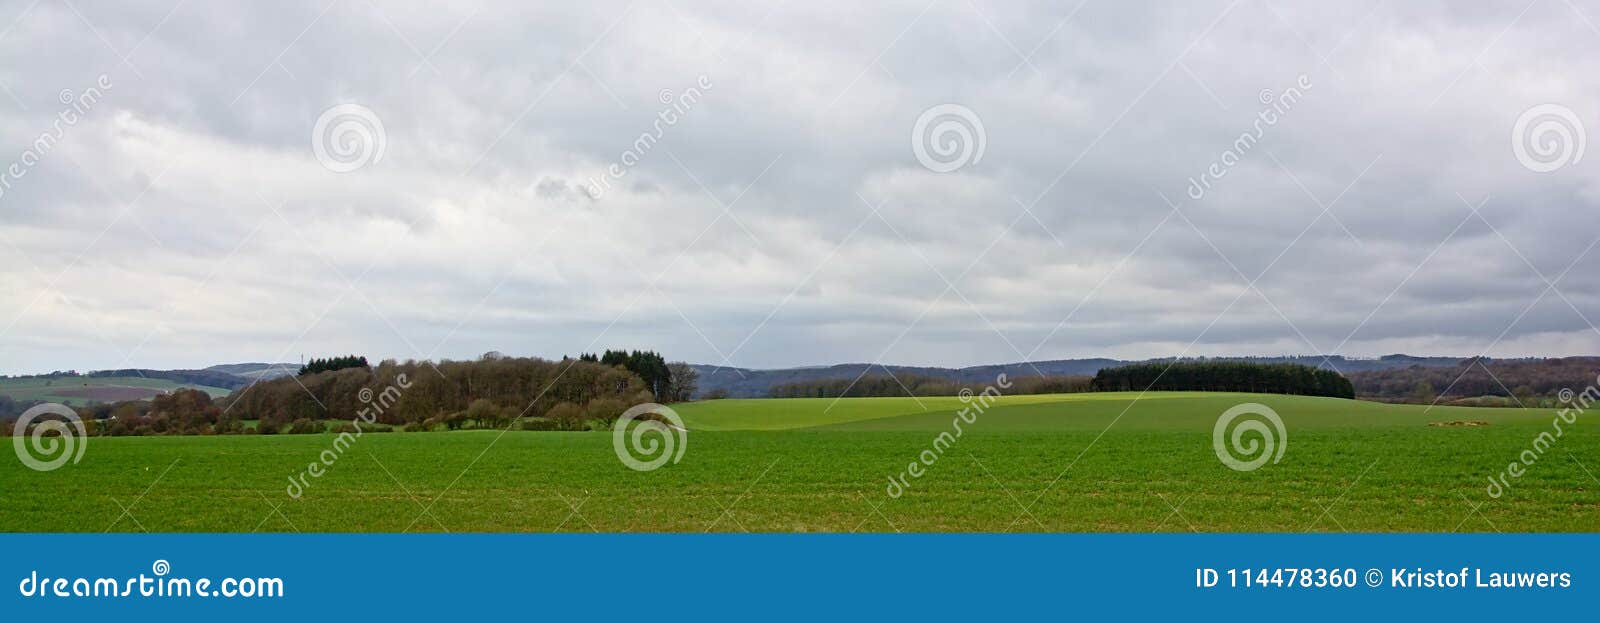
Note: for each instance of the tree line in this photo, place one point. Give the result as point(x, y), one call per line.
point(333, 363)
point(1225, 376)
point(571, 394)
point(1481, 381)
point(343, 393)
point(672, 382)
point(11, 407)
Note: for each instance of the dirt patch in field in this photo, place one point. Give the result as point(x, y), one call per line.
point(1460, 423)
point(109, 394)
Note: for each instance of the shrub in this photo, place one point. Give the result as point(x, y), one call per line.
point(605, 409)
point(485, 414)
point(442, 419)
point(305, 426)
point(566, 415)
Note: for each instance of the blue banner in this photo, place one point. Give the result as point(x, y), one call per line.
point(279, 577)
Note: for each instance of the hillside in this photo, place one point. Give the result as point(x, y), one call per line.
point(78, 391)
point(255, 371)
point(751, 383)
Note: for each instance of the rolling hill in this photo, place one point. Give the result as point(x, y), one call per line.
point(753, 383)
point(81, 389)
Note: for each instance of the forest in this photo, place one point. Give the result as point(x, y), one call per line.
point(1481, 381)
point(341, 393)
point(1225, 376)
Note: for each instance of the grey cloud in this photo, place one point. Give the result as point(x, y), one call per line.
point(474, 231)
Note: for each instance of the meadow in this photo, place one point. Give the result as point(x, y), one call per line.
point(1071, 462)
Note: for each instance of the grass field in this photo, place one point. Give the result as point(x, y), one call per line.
point(80, 391)
point(1029, 463)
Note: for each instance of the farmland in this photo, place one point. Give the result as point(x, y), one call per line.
point(77, 391)
point(1074, 462)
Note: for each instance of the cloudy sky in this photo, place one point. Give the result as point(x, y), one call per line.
point(950, 183)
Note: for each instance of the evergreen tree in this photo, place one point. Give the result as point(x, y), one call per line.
point(333, 363)
point(1225, 376)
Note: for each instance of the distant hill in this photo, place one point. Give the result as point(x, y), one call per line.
point(254, 371)
point(751, 383)
point(82, 388)
point(1522, 382)
point(19, 393)
point(207, 377)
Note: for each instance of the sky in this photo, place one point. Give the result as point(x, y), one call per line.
point(794, 183)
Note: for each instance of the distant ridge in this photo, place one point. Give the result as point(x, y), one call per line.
point(227, 376)
point(753, 383)
point(258, 371)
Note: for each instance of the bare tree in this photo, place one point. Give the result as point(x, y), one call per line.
point(682, 382)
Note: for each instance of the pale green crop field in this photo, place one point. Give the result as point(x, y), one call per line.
point(1067, 412)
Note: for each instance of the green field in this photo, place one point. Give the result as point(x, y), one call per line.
point(1029, 463)
point(80, 391)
